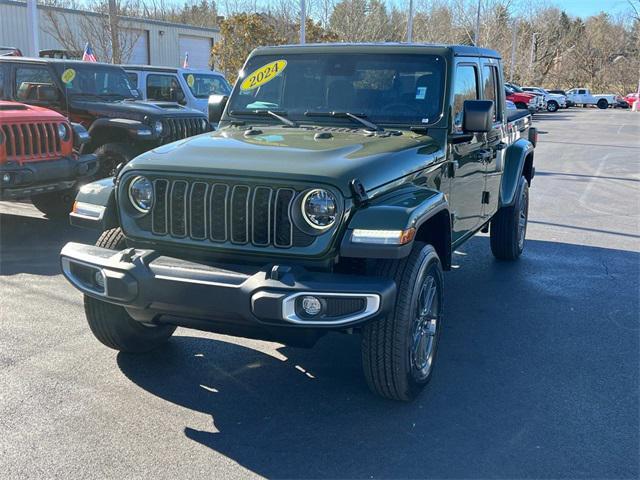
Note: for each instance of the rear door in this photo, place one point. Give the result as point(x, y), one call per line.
point(496, 138)
point(467, 149)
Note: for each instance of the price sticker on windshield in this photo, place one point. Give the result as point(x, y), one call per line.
point(68, 75)
point(191, 80)
point(263, 75)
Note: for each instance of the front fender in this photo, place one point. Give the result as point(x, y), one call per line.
point(409, 208)
point(133, 129)
point(514, 165)
point(95, 206)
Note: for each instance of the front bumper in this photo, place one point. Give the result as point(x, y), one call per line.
point(33, 178)
point(153, 288)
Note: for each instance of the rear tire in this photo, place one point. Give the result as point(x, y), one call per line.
point(55, 205)
point(509, 225)
point(111, 324)
point(110, 155)
point(602, 104)
point(399, 350)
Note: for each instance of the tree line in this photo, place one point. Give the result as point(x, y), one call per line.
point(539, 44)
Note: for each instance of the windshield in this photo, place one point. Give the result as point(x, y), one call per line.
point(91, 80)
point(386, 89)
point(204, 84)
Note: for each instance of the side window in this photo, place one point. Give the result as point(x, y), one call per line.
point(133, 79)
point(490, 89)
point(30, 79)
point(581, 92)
point(466, 88)
point(164, 87)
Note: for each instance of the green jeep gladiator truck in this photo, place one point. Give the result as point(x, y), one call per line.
point(331, 198)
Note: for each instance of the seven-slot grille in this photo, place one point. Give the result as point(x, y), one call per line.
point(179, 128)
point(225, 212)
point(31, 141)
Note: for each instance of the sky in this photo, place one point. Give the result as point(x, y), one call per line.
point(585, 8)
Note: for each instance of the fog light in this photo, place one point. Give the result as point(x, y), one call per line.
point(311, 305)
point(98, 277)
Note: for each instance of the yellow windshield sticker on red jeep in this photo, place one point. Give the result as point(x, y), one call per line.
point(68, 75)
point(263, 75)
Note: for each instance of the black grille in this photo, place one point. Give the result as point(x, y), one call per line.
point(220, 212)
point(179, 128)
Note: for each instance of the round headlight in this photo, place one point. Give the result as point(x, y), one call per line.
point(319, 208)
point(141, 194)
point(63, 132)
point(157, 127)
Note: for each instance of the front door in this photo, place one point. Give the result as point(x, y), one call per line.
point(467, 151)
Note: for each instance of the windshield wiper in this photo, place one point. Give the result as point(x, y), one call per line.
point(358, 118)
point(277, 115)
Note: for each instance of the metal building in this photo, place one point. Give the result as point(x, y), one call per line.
point(144, 42)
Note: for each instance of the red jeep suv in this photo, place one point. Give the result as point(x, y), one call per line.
point(38, 158)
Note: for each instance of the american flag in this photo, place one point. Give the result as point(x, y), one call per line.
point(186, 60)
point(88, 55)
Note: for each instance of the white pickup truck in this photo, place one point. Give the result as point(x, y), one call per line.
point(584, 97)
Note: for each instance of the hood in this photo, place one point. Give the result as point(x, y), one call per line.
point(134, 109)
point(298, 154)
point(20, 112)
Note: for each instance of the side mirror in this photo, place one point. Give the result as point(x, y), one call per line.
point(478, 116)
point(216, 107)
point(47, 93)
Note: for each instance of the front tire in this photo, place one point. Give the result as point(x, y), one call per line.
point(399, 350)
point(111, 324)
point(110, 155)
point(552, 106)
point(509, 225)
point(55, 205)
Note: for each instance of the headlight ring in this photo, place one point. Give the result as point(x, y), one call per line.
point(158, 127)
point(63, 132)
point(141, 194)
point(319, 208)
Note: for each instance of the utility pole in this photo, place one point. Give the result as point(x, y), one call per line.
point(534, 49)
point(476, 35)
point(34, 29)
point(303, 21)
point(113, 30)
point(410, 23)
point(514, 42)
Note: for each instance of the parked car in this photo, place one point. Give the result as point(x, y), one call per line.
point(187, 87)
point(39, 160)
point(540, 101)
point(10, 51)
point(523, 101)
point(554, 101)
point(584, 97)
point(620, 102)
point(330, 199)
point(100, 97)
point(631, 99)
point(563, 93)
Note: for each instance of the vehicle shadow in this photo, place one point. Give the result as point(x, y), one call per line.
point(32, 244)
point(509, 396)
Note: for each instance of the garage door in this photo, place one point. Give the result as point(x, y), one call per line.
point(199, 49)
point(139, 53)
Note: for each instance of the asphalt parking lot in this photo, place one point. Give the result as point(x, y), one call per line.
point(537, 375)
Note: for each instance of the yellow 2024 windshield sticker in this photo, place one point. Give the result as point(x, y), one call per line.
point(263, 75)
point(68, 75)
point(191, 80)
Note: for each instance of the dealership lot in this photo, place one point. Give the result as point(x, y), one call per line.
point(537, 373)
